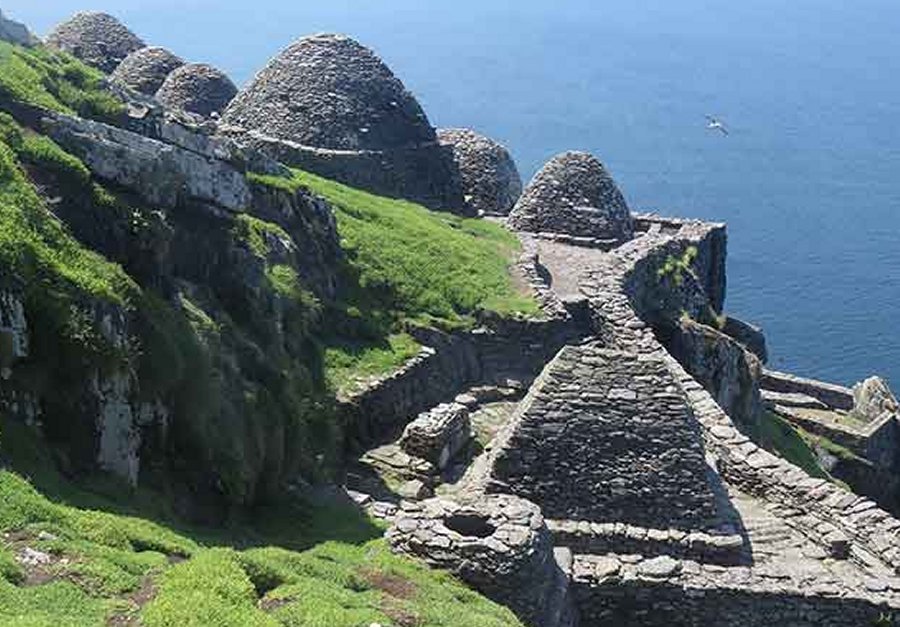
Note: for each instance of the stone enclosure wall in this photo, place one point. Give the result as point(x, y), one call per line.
point(604, 436)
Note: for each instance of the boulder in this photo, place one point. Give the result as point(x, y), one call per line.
point(98, 39)
point(16, 33)
point(873, 397)
point(573, 194)
point(439, 434)
point(146, 69)
point(197, 88)
point(490, 179)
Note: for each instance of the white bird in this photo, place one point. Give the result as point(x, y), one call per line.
point(716, 125)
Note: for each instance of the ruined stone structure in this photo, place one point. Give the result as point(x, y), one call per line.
point(146, 69)
point(490, 179)
point(197, 88)
point(330, 105)
point(661, 511)
point(98, 39)
point(574, 195)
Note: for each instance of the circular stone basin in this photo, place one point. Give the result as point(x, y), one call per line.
point(468, 524)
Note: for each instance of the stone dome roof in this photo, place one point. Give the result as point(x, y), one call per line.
point(197, 88)
point(145, 70)
point(98, 39)
point(575, 195)
point(328, 91)
point(490, 179)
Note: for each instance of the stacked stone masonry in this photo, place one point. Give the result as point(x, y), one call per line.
point(784, 548)
point(605, 436)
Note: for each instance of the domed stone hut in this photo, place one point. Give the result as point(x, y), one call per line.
point(330, 105)
point(146, 69)
point(98, 39)
point(197, 88)
point(573, 194)
point(490, 179)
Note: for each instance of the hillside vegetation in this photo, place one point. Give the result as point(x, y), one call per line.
point(105, 557)
point(407, 266)
point(246, 358)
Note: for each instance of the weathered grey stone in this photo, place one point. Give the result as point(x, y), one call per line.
point(490, 179)
point(329, 91)
point(499, 545)
point(584, 454)
point(834, 396)
point(439, 434)
point(751, 336)
point(98, 39)
point(662, 566)
point(161, 173)
point(16, 33)
point(197, 88)
point(873, 397)
point(32, 557)
point(723, 366)
point(329, 105)
point(146, 69)
point(573, 194)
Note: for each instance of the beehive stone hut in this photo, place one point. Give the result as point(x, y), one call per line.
point(146, 69)
point(329, 104)
point(98, 39)
point(574, 194)
point(489, 176)
point(197, 88)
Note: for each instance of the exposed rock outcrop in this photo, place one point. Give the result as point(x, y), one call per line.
point(490, 179)
point(197, 88)
point(161, 173)
point(872, 398)
point(723, 366)
point(16, 33)
point(98, 39)
point(146, 69)
point(574, 194)
point(330, 105)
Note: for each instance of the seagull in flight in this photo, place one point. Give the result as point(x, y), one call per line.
point(714, 124)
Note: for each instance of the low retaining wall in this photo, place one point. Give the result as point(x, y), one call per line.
point(835, 396)
point(689, 602)
point(513, 351)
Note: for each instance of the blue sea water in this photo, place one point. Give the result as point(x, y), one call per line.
point(808, 181)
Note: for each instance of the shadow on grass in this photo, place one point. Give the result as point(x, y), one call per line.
point(294, 523)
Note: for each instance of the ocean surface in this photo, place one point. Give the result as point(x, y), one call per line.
point(808, 180)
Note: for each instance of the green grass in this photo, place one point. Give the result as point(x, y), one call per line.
point(433, 265)
point(779, 436)
point(257, 233)
point(348, 365)
point(406, 266)
point(55, 80)
point(302, 565)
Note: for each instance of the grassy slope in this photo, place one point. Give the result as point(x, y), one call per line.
point(799, 447)
point(54, 80)
point(120, 555)
point(408, 265)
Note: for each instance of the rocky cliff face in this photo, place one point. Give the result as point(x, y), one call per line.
point(196, 360)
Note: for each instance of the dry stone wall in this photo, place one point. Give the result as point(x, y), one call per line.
point(605, 436)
